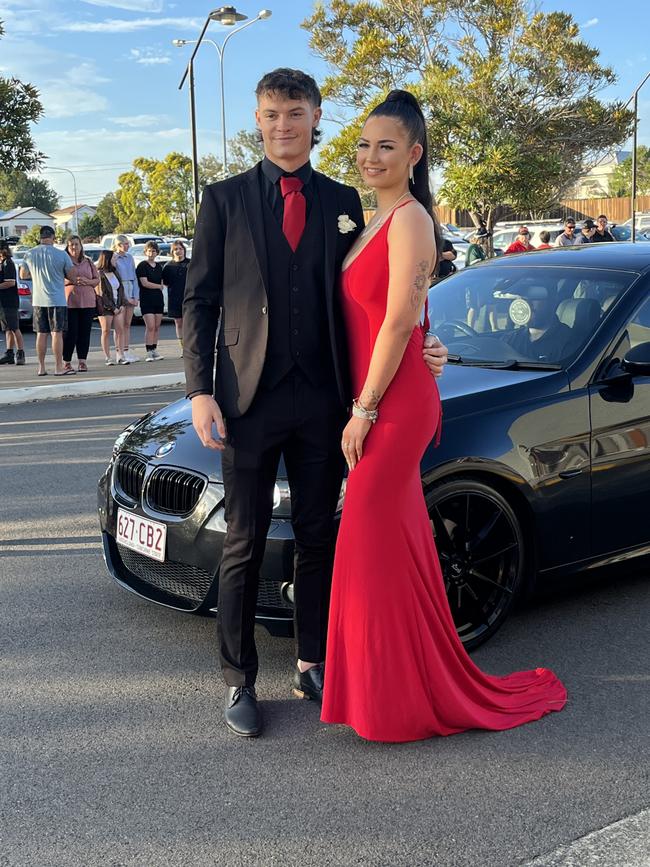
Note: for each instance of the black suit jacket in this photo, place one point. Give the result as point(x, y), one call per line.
point(226, 291)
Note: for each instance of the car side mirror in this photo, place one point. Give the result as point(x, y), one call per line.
point(637, 360)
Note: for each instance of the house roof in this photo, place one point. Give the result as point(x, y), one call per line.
point(20, 211)
point(70, 210)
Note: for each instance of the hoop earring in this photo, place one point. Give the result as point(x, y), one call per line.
point(411, 175)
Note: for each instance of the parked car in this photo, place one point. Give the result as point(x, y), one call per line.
point(24, 296)
point(641, 221)
point(543, 468)
point(93, 251)
point(505, 234)
point(134, 238)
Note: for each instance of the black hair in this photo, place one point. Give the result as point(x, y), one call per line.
point(291, 84)
point(544, 237)
point(5, 248)
point(403, 107)
point(47, 232)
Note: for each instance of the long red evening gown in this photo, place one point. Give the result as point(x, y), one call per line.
point(395, 668)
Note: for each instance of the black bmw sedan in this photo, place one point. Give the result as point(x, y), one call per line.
point(543, 468)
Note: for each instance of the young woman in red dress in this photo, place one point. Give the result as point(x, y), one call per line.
point(396, 669)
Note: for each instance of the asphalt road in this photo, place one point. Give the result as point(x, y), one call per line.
point(113, 751)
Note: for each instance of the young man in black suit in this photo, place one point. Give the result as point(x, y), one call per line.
point(267, 253)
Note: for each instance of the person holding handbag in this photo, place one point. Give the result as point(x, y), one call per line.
point(111, 307)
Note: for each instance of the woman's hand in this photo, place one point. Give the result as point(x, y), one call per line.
point(354, 433)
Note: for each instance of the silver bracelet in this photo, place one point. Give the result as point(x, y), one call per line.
point(360, 412)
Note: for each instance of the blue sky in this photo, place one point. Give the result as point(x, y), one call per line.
point(108, 74)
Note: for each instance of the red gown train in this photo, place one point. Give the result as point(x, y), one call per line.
point(395, 668)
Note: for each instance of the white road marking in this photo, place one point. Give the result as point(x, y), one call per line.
point(623, 844)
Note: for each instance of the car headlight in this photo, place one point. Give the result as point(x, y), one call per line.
point(282, 499)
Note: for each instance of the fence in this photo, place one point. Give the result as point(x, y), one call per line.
point(617, 210)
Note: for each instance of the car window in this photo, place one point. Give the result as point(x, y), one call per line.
point(540, 314)
point(504, 239)
point(639, 327)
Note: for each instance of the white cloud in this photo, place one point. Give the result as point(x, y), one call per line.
point(148, 56)
point(122, 25)
point(136, 121)
point(131, 5)
point(591, 23)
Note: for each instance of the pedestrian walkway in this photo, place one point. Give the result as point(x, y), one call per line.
point(22, 385)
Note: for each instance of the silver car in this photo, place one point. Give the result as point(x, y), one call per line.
point(24, 296)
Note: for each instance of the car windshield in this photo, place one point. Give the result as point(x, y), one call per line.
point(522, 317)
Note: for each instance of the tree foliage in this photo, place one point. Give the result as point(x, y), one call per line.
point(19, 108)
point(106, 212)
point(32, 237)
point(620, 181)
point(91, 226)
point(510, 95)
point(156, 196)
point(17, 188)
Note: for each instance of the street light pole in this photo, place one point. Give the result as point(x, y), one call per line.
point(74, 187)
point(195, 160)
point(228, 16)
point(635, 99)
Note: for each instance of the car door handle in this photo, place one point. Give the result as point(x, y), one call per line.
point(568, 474)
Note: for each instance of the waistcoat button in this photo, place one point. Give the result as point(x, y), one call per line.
point(264, 310)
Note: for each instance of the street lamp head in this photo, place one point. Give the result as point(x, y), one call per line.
point(227, 15)
point(179, 43)
point(264, 13)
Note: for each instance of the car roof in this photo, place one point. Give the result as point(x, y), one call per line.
point(621, 256)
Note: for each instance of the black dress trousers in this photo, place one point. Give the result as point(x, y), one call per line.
point(302, 422)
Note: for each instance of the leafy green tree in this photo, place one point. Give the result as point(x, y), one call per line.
point(210, 170)
point(509, 94)
point(620, 181)
point(32, 237)
point(17, 188)
point(107, 214)
point(245, 149)
point(19, 108)
point(90, 226)
point(132, 203)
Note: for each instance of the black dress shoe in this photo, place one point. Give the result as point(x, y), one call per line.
point(309, 684)
point(243, 716)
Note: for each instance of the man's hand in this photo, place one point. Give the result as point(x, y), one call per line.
point(205, 414)
point(435, 354)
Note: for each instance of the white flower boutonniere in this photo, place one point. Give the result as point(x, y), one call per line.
point(346, 224)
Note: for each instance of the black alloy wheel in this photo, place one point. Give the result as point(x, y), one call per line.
point(480, 544)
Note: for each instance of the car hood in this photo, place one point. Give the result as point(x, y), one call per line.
point(463, 390)
point(466, 389)
point(169, 432)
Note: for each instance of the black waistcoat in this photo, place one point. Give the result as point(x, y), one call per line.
point(298, 331)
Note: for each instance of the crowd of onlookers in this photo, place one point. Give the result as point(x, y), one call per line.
point(69, 291)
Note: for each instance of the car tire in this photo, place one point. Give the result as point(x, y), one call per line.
point(482, 551)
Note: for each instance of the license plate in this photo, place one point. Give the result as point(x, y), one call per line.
point(141, 535)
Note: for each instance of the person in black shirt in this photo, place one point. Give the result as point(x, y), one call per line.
point(446, 264)
point(9, 303)
point(174, 275)
point(149, 274)
point(602, 233)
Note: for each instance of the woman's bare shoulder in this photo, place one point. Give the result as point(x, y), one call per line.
point(412, 216)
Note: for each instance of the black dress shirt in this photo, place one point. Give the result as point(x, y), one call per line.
point(271, 174)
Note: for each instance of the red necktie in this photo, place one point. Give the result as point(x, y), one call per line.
point(295, 209)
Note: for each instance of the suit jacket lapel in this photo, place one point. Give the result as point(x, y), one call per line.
point(329, 205)
point(252, 198)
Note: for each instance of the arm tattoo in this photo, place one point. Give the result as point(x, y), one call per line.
point(419, 285)
point(369, 398)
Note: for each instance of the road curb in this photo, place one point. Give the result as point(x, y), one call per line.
point(13, 396)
